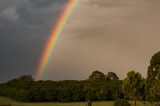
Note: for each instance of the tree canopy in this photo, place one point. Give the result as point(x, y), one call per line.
point(153, 76)
point(132, 85)
point(24, 88)
point(97, 75)
point(111, 76)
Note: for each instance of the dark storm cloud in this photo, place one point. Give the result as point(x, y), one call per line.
point(24, 29)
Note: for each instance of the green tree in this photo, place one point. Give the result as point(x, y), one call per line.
point(96, 75)
point(111, 76)
point(153, 74)
point(155, 91)
point(132, 85)
point(121, 102)
point(154, 68)
point(24, 89)
point(24, 78)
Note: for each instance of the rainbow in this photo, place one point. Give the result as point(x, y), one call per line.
point(53, 38)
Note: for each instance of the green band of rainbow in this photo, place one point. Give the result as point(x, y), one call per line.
point(53, 38)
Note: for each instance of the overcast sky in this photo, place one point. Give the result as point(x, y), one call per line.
point(104, 35)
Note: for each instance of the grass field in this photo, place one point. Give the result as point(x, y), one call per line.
point(107, 103)
point(68, 104)
point(103, 103)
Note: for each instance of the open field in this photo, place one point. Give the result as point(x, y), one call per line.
point(107, 103)
point(102, 103)
point(67, 104)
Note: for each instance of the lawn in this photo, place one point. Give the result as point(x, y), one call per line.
point(69, 104)
point(5, 101)
point(102, 103)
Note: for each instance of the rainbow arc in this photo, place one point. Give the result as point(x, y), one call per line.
point(53, 38)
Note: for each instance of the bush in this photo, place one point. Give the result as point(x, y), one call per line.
point(121, 102)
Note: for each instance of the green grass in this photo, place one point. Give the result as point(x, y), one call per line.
point(5, 101)
point(105, 103)
point(140, 103)
point(102, 103)
point(69, 104)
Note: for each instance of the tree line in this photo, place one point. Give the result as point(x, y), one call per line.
point(98, 87)
point(95, 88)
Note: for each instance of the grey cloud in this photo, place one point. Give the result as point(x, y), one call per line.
point(105, 35)
point(24, 28)
point(10, 14)
point(108, 35)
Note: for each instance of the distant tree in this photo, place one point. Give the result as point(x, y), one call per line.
point(77, 92)
point(121, 102)
point(23, 82)
point(132, 85)
point(153, 74)
point(50, 91)
point(26, 78)
point(23, 78)
point(154, 68)
point(111, 76)
point(36, 92)
point(21, 95)
point(25, 90)
point(155, 91)
point(96, 75)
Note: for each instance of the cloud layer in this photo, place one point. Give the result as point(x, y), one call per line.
point(24, 28)
point(108, 35)
point(105, 35)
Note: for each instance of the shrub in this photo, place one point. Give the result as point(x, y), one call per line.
point(121, 102)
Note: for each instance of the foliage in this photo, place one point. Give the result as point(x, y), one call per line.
point(153, 76)
point(154, 68)
point(132, 85)
point(155, 90)
point(61, 91)
point(111, 76)
point(96, 75)
point(121, 102)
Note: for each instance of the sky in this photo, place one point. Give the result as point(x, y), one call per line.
point(104, 35)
